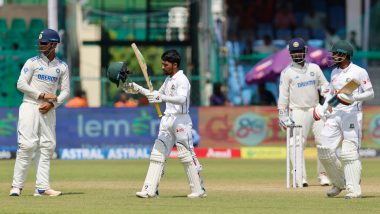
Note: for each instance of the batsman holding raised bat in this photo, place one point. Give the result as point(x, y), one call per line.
point(299, 85)
point(344, 123)
point(175, 129)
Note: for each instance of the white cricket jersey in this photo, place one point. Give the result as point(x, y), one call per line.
point(41, 76)
point(177, 85)
point(339, 77)
point(299, 86)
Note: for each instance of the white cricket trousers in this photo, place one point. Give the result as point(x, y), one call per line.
point(340, 126)
point(304, 117)
point(36, 134)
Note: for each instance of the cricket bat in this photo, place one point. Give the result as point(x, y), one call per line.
point(144, 70)
point(350, 86)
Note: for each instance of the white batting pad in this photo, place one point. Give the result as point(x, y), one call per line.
point(320, 167)
point(193, 177)
point(156, 168)
point(352, 166)
point(332, 165)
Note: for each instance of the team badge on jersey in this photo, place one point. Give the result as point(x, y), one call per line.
point(57, 70)
point(312, 74)
point(173, 87)
point(348, 79)
point(25, 70)
point(352, 126)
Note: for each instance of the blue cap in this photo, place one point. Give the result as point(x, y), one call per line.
point(49, 35)
point(297, 44)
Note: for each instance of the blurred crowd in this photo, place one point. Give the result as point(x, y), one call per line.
point(254, 27)
point(257, 23)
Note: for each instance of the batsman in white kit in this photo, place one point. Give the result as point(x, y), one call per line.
point(175, 129)
point(299, 85)
point(344, 122)
point(39, 80)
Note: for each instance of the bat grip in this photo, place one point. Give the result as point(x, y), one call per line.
point(158, 109)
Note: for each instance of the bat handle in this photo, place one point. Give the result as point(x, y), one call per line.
point(158, 109)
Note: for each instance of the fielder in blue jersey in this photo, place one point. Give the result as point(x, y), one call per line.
point(39, 80)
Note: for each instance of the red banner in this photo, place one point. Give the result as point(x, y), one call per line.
point(235, 127)
point(211, 153)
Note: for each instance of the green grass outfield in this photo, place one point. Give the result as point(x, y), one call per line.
point(234, 186)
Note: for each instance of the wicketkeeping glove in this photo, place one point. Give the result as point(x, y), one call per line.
point(283, 119)
point(154, 97)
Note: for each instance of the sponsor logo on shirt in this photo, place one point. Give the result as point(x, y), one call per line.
point(47, 78)
point(179, 130)
point(326, 91)
point(305, 84)
point(366, 81)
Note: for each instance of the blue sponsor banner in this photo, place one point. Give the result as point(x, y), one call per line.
point(104, 154)
point(103, 128)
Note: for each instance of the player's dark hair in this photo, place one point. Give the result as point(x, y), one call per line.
point(171, 56)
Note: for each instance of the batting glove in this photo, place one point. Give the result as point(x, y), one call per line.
point(154, 97)
point(346, 99)
point(320, 112)
point(133, 88)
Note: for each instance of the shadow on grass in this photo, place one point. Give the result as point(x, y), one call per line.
point(72, 193)
point(179, 196)
point(363, 197)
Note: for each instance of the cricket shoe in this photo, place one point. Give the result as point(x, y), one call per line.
point(352, 195)
point(15, 191)
point(304, 183)
point(323, 180)
point(203, 194)
point(49, 192)
point(333, 191)
point(144, 194)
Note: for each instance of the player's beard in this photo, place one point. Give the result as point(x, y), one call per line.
point(299, 57)
point(169, 71)
point(336, 60)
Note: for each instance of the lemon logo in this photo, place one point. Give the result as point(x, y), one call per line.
point(7, 124)
point(140, 124)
